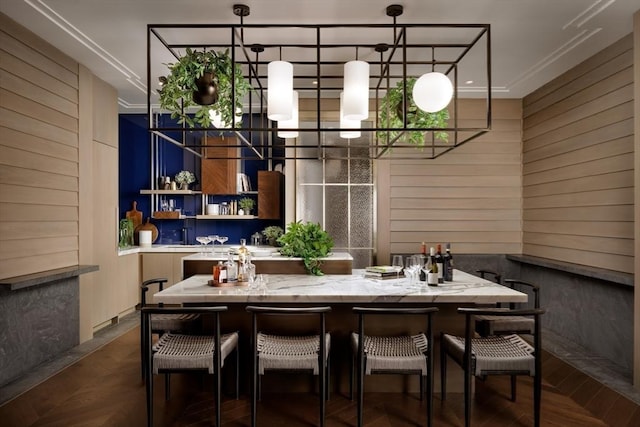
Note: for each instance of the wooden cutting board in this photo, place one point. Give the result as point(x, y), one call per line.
point(134, 215)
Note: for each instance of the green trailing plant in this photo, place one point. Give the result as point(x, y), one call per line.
point(390, 116)
point(307, 241)
point(272, 233)
point(176, 95)
point(246, 204)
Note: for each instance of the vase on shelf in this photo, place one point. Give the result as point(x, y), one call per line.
point(184, 186)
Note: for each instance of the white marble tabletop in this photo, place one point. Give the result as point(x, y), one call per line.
point(336, 288)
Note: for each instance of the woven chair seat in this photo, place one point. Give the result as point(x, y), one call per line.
point(173, 322)
point(500, 325)
point(395, 353)
point(289, 352)
point(175, 351)
point(493, 354)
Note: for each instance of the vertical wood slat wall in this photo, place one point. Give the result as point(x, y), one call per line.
point(470, 196)
point(38, 154)
point(578, 163)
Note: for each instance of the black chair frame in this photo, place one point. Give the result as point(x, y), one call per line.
point(147, 312)
point(467, 365)
point(323, 360)
point(362, 312)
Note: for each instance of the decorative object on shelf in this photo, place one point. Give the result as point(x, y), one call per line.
point(204, 79)
point(184, 178)
point(134, 215)
point(146, 226)
point(272, 233)
point(391, 115)
point(246, 204)
point(126, 232)
point(307, 241)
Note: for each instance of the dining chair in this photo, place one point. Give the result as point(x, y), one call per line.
point(290, 353)
point(497, 277)
point(500, 325)
point(186, 353)
point(161, 323)
point(494, 355)
point(400, 354)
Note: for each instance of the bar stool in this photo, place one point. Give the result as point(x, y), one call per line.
point(494, 355)
point(402, 354)
point(161, 323)
point(499, 325)
point(186, 353)
point(290, 353)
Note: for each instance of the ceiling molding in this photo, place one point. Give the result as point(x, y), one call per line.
point(587, 14)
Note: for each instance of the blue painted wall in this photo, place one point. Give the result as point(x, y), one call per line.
point(135, 174)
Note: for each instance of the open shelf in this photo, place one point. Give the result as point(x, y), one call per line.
point(171, 192)
point(226, 217)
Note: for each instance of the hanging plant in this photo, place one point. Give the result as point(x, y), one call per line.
point(391, 116)
point(203, 79)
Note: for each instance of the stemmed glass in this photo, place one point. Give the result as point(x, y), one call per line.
point(398, 264)
point(414, 262)
point(204, 241)
point(214, 238)
point(222, 239)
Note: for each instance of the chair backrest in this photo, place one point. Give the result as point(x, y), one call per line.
point(521, 285)
point(495, 276)
point(144, 288)
point(426, 311)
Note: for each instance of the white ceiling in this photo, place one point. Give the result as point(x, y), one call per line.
point(533, 41)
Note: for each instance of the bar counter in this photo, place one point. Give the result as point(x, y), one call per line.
point(341, 288)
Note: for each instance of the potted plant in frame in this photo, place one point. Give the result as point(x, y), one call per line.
point(391, 115)
point(272, 233)
point(307, 241)
point(246, 204)
point(203, 79)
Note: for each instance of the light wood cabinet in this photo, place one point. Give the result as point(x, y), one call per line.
point(158, 265)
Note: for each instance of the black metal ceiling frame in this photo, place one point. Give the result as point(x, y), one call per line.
point(376, 150)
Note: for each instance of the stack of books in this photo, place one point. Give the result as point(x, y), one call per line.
point(381, 272)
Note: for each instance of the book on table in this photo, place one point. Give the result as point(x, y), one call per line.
point(382, 271)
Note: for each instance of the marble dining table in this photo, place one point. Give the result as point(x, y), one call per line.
point(353, 288)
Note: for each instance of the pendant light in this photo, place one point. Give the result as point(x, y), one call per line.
point(279, 90)
point(346, 123)
point(216, 119)
point(356, 90)
point(291, 123)
point(432, 91)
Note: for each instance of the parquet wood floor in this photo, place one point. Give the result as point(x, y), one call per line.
point(105, 389)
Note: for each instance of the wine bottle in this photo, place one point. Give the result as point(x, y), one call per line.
point(447, 261)
point(423, 252)
point(432, 271)
point(438, 260)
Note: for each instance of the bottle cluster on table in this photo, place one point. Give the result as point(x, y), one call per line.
point(231, 272)
point(438, 267)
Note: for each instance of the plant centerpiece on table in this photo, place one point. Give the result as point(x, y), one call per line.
point(307, 241)
point(391, 116)
point(272, 233)
point(203, 79)
point(246, 204)
point(184, 178)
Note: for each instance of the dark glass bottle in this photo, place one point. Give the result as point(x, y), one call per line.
point(423, 252)
point(438, 261)
point(447, 262)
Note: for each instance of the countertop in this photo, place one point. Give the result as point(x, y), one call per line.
point(339, 288)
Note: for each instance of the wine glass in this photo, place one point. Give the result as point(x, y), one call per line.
point(398, 264)
point(214, 239)
point(222, 239)
point(204, 241)
point(413, 264)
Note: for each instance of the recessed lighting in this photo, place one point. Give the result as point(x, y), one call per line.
point(315, 82)
point(468, 82)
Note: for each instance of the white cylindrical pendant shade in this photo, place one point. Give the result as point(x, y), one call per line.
point(356, 90)
point(291, 123)
point(346, 123)
point(280, 90)
point(432, 92)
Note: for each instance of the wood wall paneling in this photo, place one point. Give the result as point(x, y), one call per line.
point(636, 119)
point(578, 167)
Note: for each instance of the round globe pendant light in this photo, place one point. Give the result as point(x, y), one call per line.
point(432, 92)
point(291, 123)
point(280, 90)
point(346, 123)
point(356, 90)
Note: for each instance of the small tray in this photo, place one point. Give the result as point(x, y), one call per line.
point(166, 214)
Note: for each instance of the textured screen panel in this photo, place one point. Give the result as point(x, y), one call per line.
point(337, 170)
point(337, 218)
point(309, 202)
point(362, 258)
point(362, 216)
point(309, 171)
